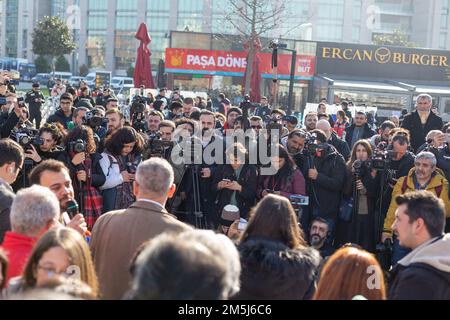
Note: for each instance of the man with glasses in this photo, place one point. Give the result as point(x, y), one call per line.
point(257, 124)
point(358, 130)
point(64, 114)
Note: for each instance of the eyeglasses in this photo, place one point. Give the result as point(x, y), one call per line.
point(51, 272)
point(50, 126)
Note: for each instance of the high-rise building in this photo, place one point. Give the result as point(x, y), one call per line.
point(104, 30)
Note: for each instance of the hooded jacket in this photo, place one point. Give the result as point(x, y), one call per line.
point(424, 274)
point(436, 183)
point(272, 271)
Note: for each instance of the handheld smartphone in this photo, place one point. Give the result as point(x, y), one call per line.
point(242, 225)
point(21, 101)
point(226, 180)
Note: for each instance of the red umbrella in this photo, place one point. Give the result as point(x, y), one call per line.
point(143, 70)
point(255, 81)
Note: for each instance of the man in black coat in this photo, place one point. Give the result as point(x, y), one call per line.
point(35, 100)
point(358, 130)
point(422, 121)
point(326, 180)
point(340, 145)
point(424, 274)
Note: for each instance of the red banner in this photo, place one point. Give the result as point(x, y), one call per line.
point(228, 63)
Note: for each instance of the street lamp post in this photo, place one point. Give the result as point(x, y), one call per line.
point(275, 45)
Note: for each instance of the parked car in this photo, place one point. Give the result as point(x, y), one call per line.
point(120, 83)
point(75, 81)
point(41, 78)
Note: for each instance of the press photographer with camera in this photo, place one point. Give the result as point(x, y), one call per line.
point(326, 178)
point(340, 145)
point(119, 161)
point(360, 188)
point(17, 118)
point(235, 182)
point(85, 170)
point(138, 116)
point(264, 109)
point(50, 140)
point(383, 134)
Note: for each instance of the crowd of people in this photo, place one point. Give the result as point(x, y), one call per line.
point(102, 201)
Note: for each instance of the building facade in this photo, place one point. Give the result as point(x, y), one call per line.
point(104, 30)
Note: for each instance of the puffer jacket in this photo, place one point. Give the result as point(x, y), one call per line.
point(272, 271)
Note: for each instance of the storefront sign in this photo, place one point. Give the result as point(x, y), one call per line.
point(396, 63)
point(227, 63)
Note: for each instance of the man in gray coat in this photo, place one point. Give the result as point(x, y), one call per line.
point(117, 235)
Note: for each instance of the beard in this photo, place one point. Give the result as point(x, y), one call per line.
point(317, 240)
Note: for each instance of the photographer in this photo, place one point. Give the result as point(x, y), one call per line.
point(85, 170)
point(398, 165)
point(51, 137)
point(286, 181)
point(17, 119)
point(383, 134)
point(35, 100)
point(435, 141)
point(326, 178)
point(340, 145)
point(360, 184)
point(235, 182)
point(119, 162)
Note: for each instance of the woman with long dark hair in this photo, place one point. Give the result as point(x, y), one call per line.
point(83, 161)
point(119, 164)
point(276, 262)
point(287, 181)
point(360, 184)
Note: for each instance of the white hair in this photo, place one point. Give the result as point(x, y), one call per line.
point(425, 96)
point(32, 210)
point(155, 176)
point(427, 156)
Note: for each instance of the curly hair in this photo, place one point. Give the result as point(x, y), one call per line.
point(114, 144)
point(56, 130)
point(84, 133)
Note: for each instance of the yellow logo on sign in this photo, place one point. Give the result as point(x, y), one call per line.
point(383, 55)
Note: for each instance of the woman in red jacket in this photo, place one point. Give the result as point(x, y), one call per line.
point(341, 124)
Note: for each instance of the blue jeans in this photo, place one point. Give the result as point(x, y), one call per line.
point(399, 252)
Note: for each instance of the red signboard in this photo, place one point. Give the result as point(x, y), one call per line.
point(228, 63)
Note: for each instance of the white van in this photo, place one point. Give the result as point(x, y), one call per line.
point(120, 83)
point(62, 75)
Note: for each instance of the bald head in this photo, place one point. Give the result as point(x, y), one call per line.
point(325, 126)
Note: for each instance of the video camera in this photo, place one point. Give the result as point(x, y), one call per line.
point(156, 147)
point(27, 137)
point(137, 114)
point(93, 119)
point(384, 252)
point(77, 146)
point(382, 157)
point(314, 149)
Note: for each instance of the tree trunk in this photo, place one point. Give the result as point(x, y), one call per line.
point(251, 52)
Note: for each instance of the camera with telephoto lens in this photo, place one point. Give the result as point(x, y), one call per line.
point(28, 137)
point(382, 157)
point(137, 114)
point(77, 146)
point(93, 119)
point(156, 147)
point(314, 149)
point(360, 168)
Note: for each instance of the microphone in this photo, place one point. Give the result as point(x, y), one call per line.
point(72, 208)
